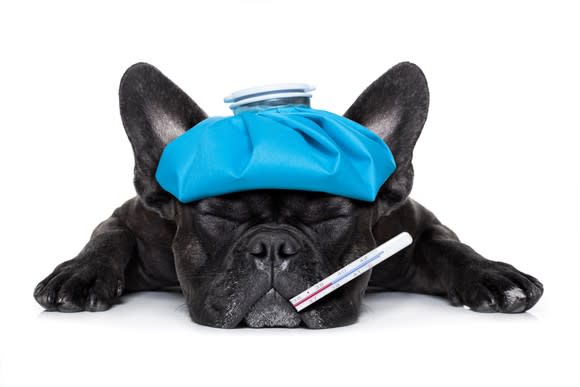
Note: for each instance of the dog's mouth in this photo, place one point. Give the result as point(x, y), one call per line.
point(272, 310)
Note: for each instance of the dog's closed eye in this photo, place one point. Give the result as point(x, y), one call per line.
point(232, 211)
point(230, 217)
point(311, 220)
point(323, 210)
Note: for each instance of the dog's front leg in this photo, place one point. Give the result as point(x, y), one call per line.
point(94, 279)
point(438, 263)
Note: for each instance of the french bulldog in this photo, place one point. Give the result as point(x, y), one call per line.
point(239, 257)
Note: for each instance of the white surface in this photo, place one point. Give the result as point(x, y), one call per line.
point(497, 162)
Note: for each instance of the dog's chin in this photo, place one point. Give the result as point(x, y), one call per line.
point(272, 310)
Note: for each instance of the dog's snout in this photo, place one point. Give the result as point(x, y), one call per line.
point(273, 245)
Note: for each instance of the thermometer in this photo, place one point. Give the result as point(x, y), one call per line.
point(351, 271)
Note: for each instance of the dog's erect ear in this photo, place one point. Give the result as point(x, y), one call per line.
point(154, 112)
point(395, 107)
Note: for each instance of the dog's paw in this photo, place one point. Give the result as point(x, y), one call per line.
point(495, 287)
point(80, 284)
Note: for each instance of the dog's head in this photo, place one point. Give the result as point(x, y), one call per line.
point(241, 256)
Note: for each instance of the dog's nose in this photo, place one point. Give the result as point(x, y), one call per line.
point(273, 244)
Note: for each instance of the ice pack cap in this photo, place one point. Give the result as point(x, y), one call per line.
point(275, 140)
point(267, 92)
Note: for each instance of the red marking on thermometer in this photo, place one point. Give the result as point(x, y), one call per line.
point(351, 271)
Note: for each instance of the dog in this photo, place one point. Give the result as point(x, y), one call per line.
point(239, 257)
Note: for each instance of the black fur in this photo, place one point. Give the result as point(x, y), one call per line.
point(240, 257)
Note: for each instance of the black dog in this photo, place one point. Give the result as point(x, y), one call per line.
point(240, 257)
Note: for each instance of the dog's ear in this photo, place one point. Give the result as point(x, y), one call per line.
point(395, 107)
point(154, 112)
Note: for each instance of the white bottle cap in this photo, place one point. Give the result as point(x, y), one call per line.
point(261, 93)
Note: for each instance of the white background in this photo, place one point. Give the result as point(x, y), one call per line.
point(497, 162)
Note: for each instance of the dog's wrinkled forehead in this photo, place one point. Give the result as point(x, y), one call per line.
point(285, 201)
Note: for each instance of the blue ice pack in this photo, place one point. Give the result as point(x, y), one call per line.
point(275, 140)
